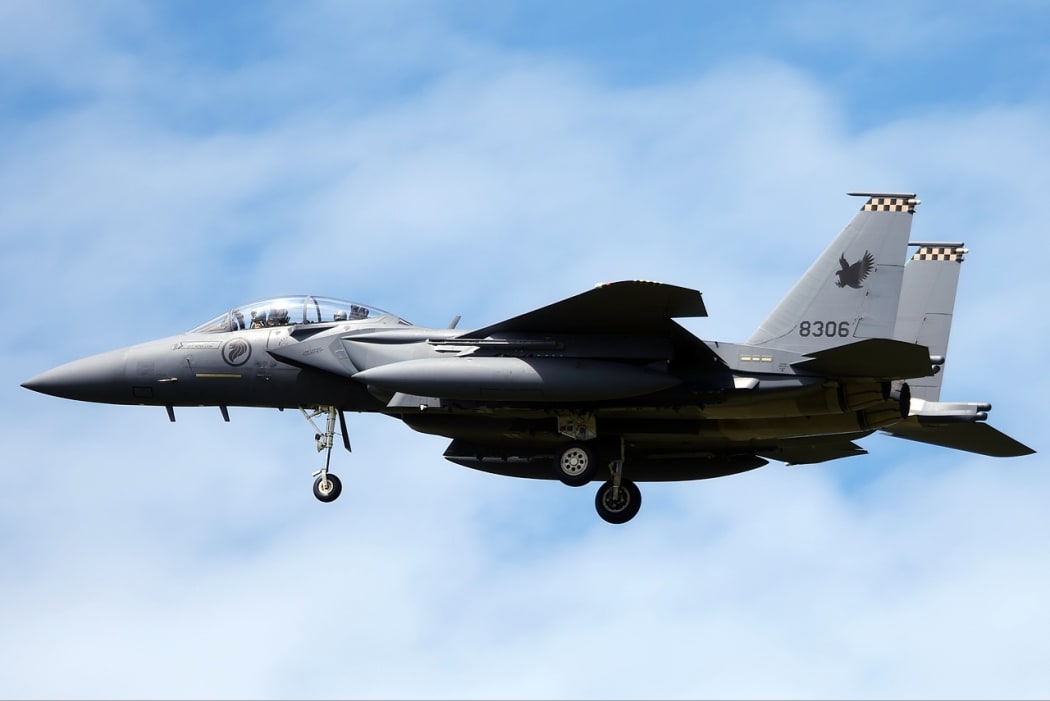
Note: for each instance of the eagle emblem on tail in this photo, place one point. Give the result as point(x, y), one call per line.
point(853, 275)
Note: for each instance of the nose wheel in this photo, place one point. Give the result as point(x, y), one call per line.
point(327, 487)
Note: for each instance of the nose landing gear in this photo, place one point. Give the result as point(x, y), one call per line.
point(327, 487)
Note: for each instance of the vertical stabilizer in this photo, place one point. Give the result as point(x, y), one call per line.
point(931, 279)
point(852, 290)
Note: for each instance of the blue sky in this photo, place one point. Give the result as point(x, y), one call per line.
point(163, 161)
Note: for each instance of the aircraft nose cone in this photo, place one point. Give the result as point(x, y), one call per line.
point(100, 378)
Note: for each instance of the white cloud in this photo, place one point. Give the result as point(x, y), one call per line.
point(911, 589)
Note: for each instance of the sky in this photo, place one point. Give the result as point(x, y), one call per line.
point(162, 162)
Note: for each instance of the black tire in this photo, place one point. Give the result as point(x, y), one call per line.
point(624, 507)
point(575, 463)
point(329, 492)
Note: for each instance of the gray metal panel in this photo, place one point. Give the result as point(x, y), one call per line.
point(854, 285)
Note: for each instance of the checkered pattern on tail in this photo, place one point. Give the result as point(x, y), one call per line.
point(950, 253)
point(890, 204)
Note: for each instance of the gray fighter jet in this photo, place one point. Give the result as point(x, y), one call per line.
point(603, 385)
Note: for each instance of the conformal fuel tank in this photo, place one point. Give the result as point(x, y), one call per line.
point(517, 379)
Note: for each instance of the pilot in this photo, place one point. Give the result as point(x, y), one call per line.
point(258, 318)
point(339, 315)
point(278, 317)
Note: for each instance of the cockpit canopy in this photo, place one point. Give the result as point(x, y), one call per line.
point(290, 311)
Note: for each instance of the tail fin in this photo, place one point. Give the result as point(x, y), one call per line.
point(852, 290)
point(931, 279)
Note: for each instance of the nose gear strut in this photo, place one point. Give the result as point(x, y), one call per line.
point(327, 487)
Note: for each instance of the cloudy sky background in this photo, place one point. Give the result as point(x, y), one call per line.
point(161, 162)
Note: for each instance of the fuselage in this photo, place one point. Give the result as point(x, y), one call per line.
point(498, 395)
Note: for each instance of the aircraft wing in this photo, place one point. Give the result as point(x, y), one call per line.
point(631, 306)
point(971, 436)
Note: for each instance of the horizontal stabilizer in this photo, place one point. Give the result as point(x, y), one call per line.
point(973, 437)
point(878, 358)
point(618, 307)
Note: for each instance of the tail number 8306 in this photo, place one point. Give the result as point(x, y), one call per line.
point(824, 329)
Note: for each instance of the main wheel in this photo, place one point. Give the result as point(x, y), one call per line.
point(327, 488)
point(575, 463)
point(623, 507)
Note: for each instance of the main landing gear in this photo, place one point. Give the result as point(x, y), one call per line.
point(576, 464)
point(327, 487)
point(618, 500)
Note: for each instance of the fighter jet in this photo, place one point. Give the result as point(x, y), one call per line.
point(605, 385)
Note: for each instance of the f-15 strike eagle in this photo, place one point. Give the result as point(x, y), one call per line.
point(605, 385)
